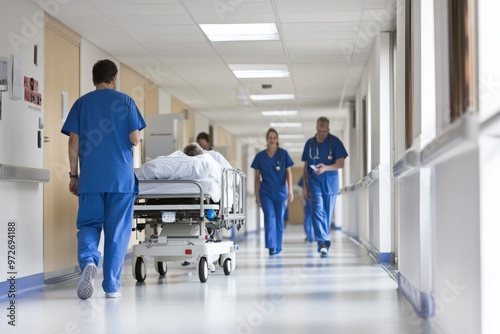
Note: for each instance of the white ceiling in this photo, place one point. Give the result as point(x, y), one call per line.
point(161, 39)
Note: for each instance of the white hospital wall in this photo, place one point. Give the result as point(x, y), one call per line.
point(489, 104)
point(164, 102)
point(369, 200)
point(200, 123)
point(489, 50)
point(89, 55)
point(22, 201)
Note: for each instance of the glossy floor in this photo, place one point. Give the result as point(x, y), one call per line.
point(294, 292)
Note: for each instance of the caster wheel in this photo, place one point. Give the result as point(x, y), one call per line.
point(140, 270)
point(203, 270)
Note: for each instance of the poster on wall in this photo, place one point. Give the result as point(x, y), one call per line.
point(31, 93)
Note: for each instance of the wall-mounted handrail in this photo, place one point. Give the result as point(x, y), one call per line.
point(363, 183)
point(460, 137)
point(370, 178)
point(491, 126)
point(24, 174)
point(407, 164)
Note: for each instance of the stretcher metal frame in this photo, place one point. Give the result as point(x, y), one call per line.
point(186, 227)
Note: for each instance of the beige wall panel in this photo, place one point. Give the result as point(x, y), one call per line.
point(151, 101)
point(295, 209)
point(132, 83)
point(62, 73)
point(221, 137)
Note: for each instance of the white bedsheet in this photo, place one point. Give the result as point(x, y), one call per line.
point(210, 188)
point(203, 168)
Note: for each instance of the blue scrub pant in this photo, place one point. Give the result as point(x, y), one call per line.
point(274, 214)
point(322, 212)
point(112, 212)
point(308, 228)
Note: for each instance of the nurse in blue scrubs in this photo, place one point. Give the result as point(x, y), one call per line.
point(323, 156)
point(103, 126)
point(273, 187)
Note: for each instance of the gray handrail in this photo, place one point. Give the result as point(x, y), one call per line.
point(366, 181)
point(23, 174)
point(491, 126)
point(410, 162)
point(370, 178)
point(460, 137)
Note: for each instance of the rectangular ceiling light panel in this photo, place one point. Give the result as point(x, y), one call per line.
point(241, 32)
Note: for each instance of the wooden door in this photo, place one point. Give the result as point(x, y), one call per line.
point(62, 74)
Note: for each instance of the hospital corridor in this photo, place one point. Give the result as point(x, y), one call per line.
point(249, 166)
point(294, 292)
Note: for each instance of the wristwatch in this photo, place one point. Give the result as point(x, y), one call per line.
point(73, 176)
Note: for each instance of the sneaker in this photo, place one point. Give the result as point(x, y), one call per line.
point(272, 251)
point(116, 294)
point(323, 251)
point(85, 287)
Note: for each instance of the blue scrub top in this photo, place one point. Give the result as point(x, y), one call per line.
point(273, 182)
point(103, 120)
point(315, 153)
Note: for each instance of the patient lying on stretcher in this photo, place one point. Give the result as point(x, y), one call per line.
point(191, 164)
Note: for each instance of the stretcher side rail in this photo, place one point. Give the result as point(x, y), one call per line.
point(233, 212)
point(231, 209)
point(199, 194)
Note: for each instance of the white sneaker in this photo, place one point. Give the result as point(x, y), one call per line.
point(85, 287)
point(116, 294)
point(323, 251)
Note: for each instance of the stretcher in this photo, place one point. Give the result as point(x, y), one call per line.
point(182, 222)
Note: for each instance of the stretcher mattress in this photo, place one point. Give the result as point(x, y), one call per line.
point(210, 187)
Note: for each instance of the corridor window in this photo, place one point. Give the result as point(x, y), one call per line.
point(463, 65)
point(408, 76)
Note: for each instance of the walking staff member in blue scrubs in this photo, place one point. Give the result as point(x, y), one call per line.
point(323, 155)
point(306, 204)
point(102, 126)
point(273, 187)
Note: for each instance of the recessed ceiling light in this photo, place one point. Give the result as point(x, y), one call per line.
point(266, 97)
point(285, 124)
point(240, 32)
point(279, 112)
point(245, 71)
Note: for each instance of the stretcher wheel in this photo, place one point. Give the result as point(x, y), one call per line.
point(140, 270)
point(203, 269)
point(161, 268)
point(227, 267)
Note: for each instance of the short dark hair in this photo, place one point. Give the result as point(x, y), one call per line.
point(104, 71)
point(193, 149)
point(203, 135)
